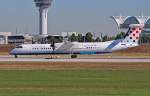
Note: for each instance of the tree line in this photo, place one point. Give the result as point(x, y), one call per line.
point(144, 38)
point(89, 37)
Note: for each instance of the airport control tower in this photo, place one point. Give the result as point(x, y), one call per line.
point(43, 6)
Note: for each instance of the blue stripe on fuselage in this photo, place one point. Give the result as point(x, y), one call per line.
point(87, 52)
point(113, 44)
point(47, 53)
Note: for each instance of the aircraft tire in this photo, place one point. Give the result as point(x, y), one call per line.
point(16, 56)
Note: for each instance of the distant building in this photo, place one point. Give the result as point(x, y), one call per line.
point(68, 34)
point(28, 39)
point(16, 39)
point(125, 21)
point(54, 38)
point(4, 37)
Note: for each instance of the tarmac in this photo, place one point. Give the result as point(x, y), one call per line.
point(5, 58)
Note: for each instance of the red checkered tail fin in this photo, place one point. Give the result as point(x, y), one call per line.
point(133, 33)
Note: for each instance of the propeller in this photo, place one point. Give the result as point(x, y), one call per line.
point(53, 45)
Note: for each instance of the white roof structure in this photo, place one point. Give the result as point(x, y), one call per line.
point(125, 21)
point(5, 33)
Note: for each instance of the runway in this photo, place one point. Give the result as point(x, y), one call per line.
point(114, 59)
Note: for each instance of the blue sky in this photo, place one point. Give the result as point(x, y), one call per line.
point(69, 15)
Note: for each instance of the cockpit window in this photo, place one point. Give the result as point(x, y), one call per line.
point(19, 47)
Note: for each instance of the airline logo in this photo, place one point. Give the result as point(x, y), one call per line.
point(133, 34)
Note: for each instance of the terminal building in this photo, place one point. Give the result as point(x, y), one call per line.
point(123, 22)
point(16, 39)
point(20, 39)
point(4, 37)
point(8, 38)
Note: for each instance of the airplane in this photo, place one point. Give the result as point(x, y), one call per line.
point(131, 39)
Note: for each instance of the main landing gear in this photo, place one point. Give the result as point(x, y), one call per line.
point(16, 56)
point(74, 56)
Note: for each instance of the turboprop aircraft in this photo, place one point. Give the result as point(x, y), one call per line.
point(131, 39)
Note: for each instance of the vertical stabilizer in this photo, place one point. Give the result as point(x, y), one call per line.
point(133, 33)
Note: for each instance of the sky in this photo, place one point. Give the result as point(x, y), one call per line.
point(69, 15)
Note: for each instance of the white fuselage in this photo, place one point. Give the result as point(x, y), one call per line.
point(72, 47)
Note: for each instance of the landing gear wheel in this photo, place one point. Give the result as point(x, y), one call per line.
point(16, 56)
point(74, 56)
